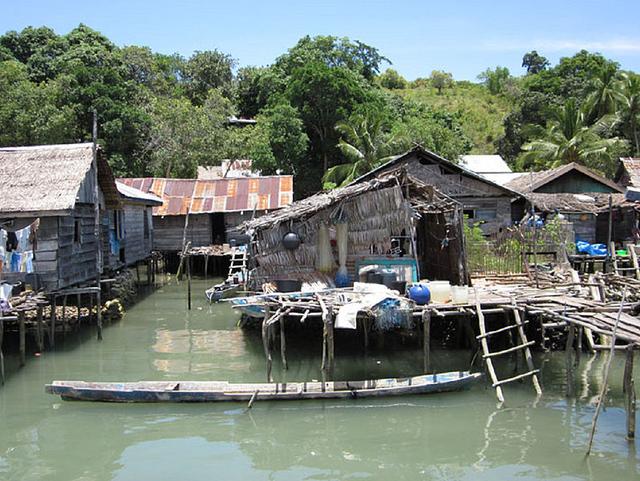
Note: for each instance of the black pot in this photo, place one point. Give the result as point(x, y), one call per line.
point(291, 241)
point(288, 285)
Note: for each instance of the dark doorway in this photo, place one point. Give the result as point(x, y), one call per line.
point(218, 235)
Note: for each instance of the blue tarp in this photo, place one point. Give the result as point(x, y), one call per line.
point(591, 249)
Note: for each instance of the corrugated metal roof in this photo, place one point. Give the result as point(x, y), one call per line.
point(220, 195)
point(137, 195)
point(484, 164)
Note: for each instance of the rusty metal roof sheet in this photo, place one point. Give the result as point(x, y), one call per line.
point(216, 195)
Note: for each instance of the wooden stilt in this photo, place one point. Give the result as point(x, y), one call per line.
point(330, 339)
point(426, 340)
point(138, 272)
point(40, 329)
point(569, 361)
point(365, 329)
point(283, 344)
point(265, 342)
point(99, 312)
point(630, 394)
point(605, 381)
point(579, 346)
point(79, 304)
point(188, 282)
point(52, 326)
point(64, 312)
point(22, 334)
point(206, 266)
point(1, 353)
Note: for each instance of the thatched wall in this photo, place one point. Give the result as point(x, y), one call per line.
point(373, 218)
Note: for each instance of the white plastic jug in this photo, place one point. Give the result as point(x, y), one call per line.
point(440, 291)
point(460, 294)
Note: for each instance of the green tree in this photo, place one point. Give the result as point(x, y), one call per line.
point(567, 138)
point(390, 79)
point(333, 52)
point(208, 70)
point(496, 79)
point(255, 86)
point(288, 142)
point(441, 80)
point(24, 44)
point(324, 96)
point(534, 62)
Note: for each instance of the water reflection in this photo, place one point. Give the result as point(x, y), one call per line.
point(450, 436)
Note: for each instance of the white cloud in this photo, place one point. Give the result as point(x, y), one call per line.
point(548, 45)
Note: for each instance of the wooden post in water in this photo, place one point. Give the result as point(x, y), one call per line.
point(265, 341)
point(40, 333)
point(99, 312)
point(188, 282)
point(426, 340)
point(605, 381)
point(569, 361)
point(96, 228)
point(64, 312)
point(630, 394)
point(52, 326)
point(206, 266)
point(22, 334)
point(283, 344)
point(1, 353)
point(330, 340)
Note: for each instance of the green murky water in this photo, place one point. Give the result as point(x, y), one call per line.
point(455, 436)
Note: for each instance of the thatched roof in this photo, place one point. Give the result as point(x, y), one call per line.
point(424, 198)
point(532, 181)
point(46, 179)
point(628, 173)
point(593, 203)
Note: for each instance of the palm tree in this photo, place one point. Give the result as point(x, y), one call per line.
point(567, 138)
point(605, 88)
point(363, 143)
point(629, 108)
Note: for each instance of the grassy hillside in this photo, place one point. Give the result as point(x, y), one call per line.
point(481, 113)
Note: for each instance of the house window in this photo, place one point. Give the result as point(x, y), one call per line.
point(486, 214)
point(118, 224)
point(77, 232)
point(469, 213)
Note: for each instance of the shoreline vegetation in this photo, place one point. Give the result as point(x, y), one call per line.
point(327, 110)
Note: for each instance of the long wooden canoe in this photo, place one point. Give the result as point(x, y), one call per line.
point(213, 391)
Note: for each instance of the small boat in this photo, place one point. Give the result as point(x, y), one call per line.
point(214, 391)
point(223, 290)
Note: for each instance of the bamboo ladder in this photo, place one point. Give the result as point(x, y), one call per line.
point(238, 262)
point(524, 344)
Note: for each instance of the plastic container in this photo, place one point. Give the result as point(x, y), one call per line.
point(440, 291)
point(420, 293)
point(288, 285)
point(460, 294)
point(388, 277)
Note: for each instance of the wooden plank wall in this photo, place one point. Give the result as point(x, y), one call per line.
point(470, 192)
point(168, 231)
point(76, 261)
point(136, 246)
point(45, 262)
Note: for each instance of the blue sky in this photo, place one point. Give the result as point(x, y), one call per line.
point(462, 37)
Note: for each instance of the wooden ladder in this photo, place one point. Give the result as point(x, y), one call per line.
point(238, 262)
point(633, 254)
point(523, 344)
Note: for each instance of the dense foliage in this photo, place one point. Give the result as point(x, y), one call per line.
point(325, 109)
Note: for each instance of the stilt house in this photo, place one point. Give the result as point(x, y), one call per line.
point(392, 219)
point(483, 200)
